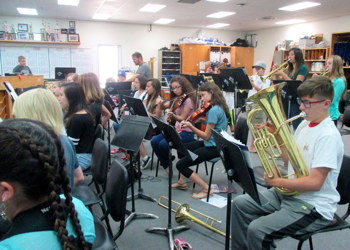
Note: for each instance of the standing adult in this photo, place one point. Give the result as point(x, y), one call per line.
point(22, 67)
point(143, 69)
point(297, 70)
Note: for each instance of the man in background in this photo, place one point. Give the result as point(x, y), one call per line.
point(22, 67)
point(143, 69)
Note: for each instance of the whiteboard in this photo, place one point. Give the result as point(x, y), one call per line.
point(82, 60)
point(59, 57)
point(44, 60)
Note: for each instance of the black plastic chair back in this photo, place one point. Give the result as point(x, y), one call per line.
point(99, 161)
point(343, 186)
point(103, 240)
point(98, 132)
point(116, 194)
point(241, 130)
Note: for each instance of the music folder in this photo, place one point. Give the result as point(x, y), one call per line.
point(10, 90)
point(237, 158)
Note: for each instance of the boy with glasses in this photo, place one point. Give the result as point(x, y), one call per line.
point(321, 146)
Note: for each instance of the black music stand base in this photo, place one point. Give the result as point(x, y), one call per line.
point(140, 194)
point(169, 232)
point(135, 215)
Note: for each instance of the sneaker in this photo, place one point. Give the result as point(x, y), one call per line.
point(181, 244)
point(145, 163)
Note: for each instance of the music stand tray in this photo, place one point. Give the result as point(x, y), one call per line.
point(174, 141)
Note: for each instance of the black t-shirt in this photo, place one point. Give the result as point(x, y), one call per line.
point(81, 131)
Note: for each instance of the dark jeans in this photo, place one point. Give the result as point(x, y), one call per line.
point(161, 146)
point(204, 154)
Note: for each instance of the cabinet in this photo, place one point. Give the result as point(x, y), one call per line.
point(340, 45)
point(192, 54)
point(219, 53)
point(315, 59)
point(169, 63)
point(243, 57)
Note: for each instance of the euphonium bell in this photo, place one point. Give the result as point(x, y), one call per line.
point(268, 145)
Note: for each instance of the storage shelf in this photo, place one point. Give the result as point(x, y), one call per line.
point(46, 42)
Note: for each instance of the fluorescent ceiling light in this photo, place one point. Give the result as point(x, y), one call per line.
point(27, 11)
point(152, 7)
point(218, 1)
point(164, 21)
point(218, 25)
point(291, 21)
point(221, 14)
point(68, 2)
point(299, 6)
point(101, 16)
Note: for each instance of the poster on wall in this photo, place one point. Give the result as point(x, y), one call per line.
point(59, 57)
point(82, 60)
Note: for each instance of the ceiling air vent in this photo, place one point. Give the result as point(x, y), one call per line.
point(188, 1)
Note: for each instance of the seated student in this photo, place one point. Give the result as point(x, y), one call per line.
point(183, 97)
point(41, 105)
point(72, 77)
point(79, 122)
point(94, 97)
point(258, 83)
point(32, 175)
point(321, 147)
point(217, 118)
point(153, 104)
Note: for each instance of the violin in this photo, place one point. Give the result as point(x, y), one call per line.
point(200, 113)
point(176, 104)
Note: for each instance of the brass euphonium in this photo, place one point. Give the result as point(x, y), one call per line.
point(266, 144)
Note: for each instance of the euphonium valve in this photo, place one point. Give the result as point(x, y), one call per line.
point(268, 145)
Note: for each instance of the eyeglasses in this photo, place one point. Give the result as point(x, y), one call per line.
point(175, 88)
point(307, 103)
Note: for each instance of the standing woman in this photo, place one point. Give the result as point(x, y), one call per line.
point(334, 67)
point(94, 97)
point(217, 118)
point(183, 97)
point(79, 122)
point(297, 70)
point(32, 176)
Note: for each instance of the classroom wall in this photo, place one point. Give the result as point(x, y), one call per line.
point(269, 38)
point(131, 37)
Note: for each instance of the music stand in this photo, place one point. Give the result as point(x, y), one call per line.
point(237, 169)
point(131, 143)
point(236, 78)
point(289, 93)
point(196, 81)
point(174, 140)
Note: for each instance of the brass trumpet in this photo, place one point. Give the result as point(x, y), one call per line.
point(283, 66)
point(183, 212)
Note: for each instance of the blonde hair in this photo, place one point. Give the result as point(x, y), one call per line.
point(91, 86)
point(41, 105)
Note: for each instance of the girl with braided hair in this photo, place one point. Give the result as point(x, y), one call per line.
point(32, 175)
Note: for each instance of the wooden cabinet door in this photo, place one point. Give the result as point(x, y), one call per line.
point(192, 54)
point(243, 57)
